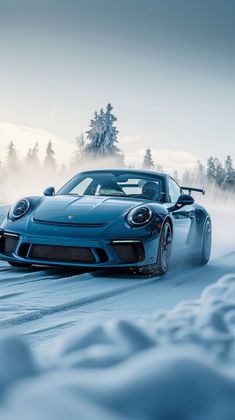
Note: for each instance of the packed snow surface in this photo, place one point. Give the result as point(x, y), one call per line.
point(104, 345)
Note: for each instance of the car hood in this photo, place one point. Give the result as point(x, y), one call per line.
point(91, 210)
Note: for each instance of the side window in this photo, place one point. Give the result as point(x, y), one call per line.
point(174, 190)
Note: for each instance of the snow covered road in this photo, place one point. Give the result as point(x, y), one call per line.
point(45, 304)
point(160, 333)
point(132, 368)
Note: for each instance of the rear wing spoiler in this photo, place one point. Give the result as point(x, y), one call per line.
point(190, 189)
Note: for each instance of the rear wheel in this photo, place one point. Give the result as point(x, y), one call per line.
point(163, 254)
point(203, 256)
point(19, 265)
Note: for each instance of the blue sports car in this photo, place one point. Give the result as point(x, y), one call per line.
point(108, 218)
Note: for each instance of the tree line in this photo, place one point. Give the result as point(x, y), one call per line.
point(101, 142)
point(214, 172)
point(13, 163)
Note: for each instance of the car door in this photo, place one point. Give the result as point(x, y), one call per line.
point(183, 217)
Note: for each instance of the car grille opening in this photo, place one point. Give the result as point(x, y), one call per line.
point(23, 250)
point(62, 253)
point(103, 257)
point(8, 243)
point(129, 252)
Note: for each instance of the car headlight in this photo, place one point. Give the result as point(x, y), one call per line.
point(139, 216)
point(19, 209)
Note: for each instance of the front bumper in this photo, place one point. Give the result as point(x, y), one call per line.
point(82, 252)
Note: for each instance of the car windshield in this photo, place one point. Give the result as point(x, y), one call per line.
point(117, 184)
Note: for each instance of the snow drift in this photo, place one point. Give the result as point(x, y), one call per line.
point(176, 364)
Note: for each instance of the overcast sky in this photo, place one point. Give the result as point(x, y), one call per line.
point(167, 66)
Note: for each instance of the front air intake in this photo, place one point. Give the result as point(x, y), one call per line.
point(62, 254)
point(129, 252)
point(8, 243)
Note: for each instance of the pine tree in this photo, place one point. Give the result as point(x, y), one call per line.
point(32, 156)
point(215, 171)
point(211, 169)
point(102, 135)
point(12, 162)
point(219, 173)
point(28, 157)
point(148, 162)
point(228, 165)
point(35, 151)
point(229, 180)
point(49, 161)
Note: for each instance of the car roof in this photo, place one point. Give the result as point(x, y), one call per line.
point(134, 171)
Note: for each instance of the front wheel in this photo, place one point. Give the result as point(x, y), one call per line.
point(164, 249)
point(163, 253)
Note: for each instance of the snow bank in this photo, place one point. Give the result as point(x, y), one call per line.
point(172, 365)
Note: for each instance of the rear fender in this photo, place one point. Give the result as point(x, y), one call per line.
point(201, 218)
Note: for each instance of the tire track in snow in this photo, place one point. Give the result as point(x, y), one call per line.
point(175, 277)
point(49, 328)
point(10, 295)
point(191, 280)
point(71, 305)
point(32, 277)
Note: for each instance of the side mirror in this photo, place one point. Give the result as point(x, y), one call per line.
point(48, 192)
point(183, 200)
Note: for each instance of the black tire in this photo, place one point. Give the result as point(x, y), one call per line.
point(164, 249)
point(203, 256)
point(19, 265)
point(161, 266)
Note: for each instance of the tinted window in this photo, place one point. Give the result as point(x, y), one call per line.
point(118, 183)
point(174, 190)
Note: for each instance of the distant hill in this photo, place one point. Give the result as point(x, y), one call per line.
point(26, 137)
